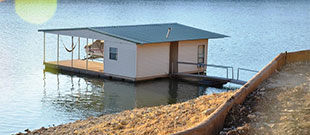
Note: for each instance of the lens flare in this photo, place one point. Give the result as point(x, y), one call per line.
point(35, 11)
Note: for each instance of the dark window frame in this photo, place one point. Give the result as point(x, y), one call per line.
point(113, 53)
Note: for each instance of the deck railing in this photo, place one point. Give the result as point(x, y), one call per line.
point(244, 69)
point(212, 65)
point(221, 66)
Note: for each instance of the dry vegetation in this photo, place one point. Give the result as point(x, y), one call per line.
point(279, 106)
point(166, 119)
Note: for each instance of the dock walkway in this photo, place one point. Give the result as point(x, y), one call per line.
point(211, 78)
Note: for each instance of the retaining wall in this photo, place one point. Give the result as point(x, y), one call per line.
point(214, 123)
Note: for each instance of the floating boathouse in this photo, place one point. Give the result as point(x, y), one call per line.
point(135, 52)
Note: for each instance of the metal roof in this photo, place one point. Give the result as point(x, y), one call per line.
point(148, 33)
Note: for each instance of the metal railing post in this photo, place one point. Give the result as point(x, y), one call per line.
point(87, 53)
point(57, 49)
point(79, 39)
point(72, 52)
point(232, 73)
point(238, 73)
point(43, 47)
point(227, 73)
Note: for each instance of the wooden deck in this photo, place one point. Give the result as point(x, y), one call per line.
point(77, 65)
point(95, 69)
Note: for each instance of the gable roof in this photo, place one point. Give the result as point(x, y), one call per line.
point(150, 33)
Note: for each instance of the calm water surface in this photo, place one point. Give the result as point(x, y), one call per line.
point(31, 98)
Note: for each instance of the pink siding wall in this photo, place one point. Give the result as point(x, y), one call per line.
point(188, 51)
point(153, 59)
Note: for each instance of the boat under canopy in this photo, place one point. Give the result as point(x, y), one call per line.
point(95, 49)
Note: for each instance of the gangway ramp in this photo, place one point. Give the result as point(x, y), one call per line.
point(211, 78)
point(214, 79)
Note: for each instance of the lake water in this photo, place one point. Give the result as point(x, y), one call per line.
point(31, 98)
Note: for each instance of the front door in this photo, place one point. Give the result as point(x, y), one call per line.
point(201, 54)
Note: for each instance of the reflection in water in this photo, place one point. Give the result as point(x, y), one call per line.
point(173, 85)
point(44, 83)
point(91, 96)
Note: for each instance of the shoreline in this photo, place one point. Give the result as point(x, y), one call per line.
point(164, 119)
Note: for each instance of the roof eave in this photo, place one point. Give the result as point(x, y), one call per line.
point(61, 29)
point(91, 29)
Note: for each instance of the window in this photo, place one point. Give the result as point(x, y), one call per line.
point(113, 53)
point(201, 54)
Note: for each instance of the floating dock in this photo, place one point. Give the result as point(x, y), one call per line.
point(96, 69)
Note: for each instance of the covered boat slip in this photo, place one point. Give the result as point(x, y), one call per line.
point(133, 52)
point(85, 65)
point(94, 49)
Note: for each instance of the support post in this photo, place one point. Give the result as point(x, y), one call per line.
point(232, 73)
point(206, 57)
point(238, 74)
point(103, 63)
point(72, 52)
point(173, 59)
point(92, 42)
point(87, 53)
point(227, 73)
point(57, 49)
point(79, 47)
point(43, 47)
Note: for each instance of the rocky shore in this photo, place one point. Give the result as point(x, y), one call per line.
point(238, 119)
point(166, 119)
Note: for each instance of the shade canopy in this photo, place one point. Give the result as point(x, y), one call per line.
point(140, 34)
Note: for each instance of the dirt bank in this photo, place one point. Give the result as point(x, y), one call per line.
point(152, 120)
point(281, 105)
